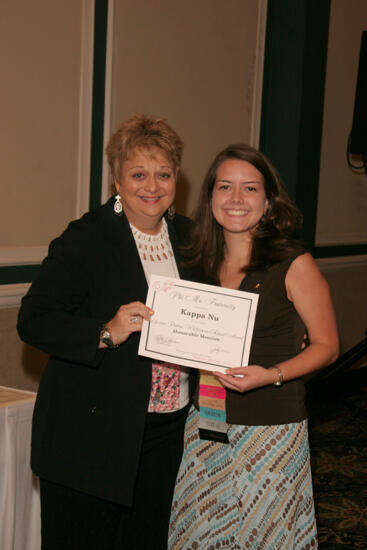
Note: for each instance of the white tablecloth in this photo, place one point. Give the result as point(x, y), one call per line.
point(20, 522)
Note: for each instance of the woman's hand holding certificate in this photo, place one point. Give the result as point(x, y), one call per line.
point(197, 325)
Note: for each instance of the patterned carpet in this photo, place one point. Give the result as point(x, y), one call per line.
point(338, 440)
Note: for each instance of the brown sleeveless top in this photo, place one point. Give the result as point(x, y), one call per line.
point(278, 335)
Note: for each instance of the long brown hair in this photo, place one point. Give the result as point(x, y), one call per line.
point(274, 236)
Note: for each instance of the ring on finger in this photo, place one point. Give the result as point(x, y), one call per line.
point(134, 319)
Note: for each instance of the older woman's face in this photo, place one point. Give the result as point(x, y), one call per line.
point(147, 188)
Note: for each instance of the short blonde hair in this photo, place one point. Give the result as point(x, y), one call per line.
point(142, 131)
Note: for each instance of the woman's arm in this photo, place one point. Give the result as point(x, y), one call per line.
point(308, 290)
point(53, 316)
point(57, 314)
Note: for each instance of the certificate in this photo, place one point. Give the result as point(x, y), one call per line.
point(198, 325)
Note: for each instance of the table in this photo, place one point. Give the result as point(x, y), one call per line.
point(20, 521)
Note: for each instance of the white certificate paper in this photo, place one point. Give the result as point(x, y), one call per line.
point(197, 325)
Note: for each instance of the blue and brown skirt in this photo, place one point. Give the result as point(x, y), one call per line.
point(255, 492)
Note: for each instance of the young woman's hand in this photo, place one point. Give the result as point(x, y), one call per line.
point(243, 379)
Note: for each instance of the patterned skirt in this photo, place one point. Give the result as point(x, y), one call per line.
point(255, 492)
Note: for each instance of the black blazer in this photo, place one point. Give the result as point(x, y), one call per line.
point(90, 411)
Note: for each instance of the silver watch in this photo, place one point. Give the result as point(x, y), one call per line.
point(106, 338)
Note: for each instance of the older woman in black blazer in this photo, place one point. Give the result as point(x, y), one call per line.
point(108, 424)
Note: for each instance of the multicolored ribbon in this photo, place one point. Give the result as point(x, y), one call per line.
point(212, 401)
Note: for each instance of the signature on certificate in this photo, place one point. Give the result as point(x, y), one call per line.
point(219, 350)
point(166, 341)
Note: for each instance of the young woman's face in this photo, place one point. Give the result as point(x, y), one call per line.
point(147, 188)
point(238, 199)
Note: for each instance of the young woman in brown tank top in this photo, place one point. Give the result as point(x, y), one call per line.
point(256, 490)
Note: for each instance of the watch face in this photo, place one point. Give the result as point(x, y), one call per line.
point(106, 338)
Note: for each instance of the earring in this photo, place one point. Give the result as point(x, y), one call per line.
point(117, 207)
point(171, 212)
